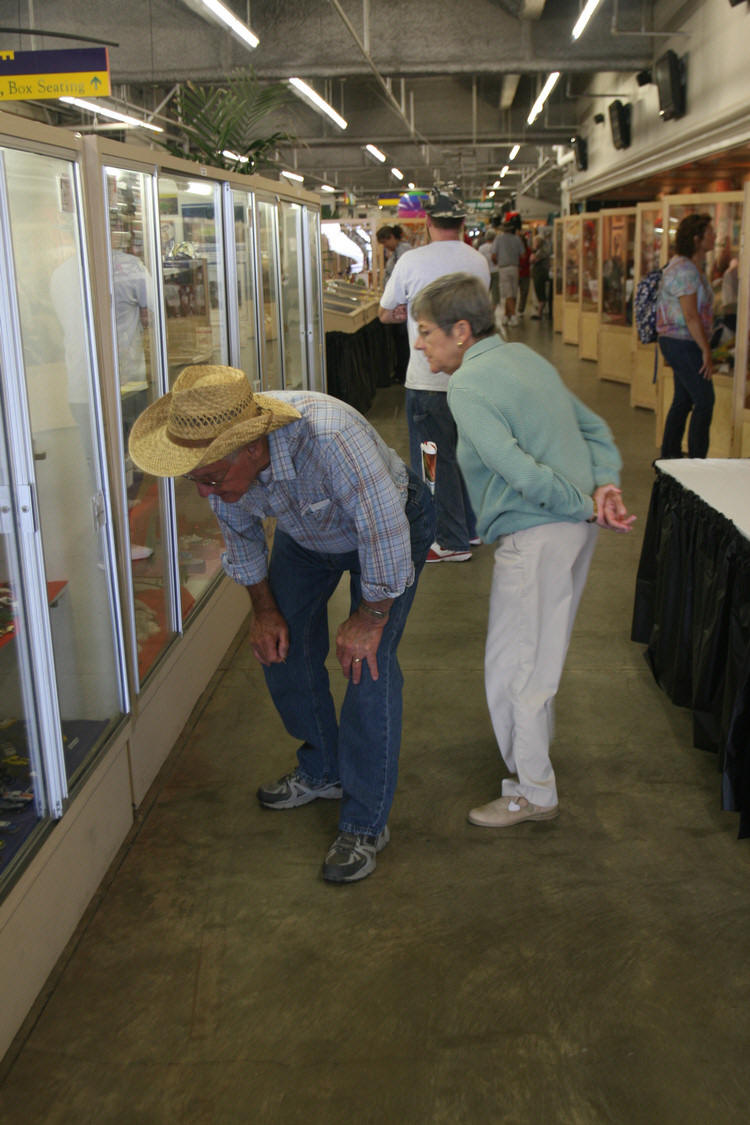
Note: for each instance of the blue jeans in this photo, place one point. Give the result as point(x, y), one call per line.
point(361, 749)
point(429, 419)
point(691, 392)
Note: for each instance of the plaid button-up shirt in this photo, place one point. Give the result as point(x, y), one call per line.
point(334, 486)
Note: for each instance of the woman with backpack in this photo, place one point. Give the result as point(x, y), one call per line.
point(684, 321)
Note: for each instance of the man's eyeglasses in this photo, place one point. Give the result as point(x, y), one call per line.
point(205, 481)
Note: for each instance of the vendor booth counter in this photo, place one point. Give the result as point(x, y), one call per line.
point(692, 609)
point(360, 351)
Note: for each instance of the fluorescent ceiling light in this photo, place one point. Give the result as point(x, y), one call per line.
point(373, 151)
point(235, 156)
point(580, 24)
point(514, 152)
point(397, 173)
point(496, 184)
point(411, 186)
point(327, 187)
point(547, 89)
point(293, 176)
point(490, 195)
point(237, 27)
point(105, 111)
point(504, 171)
point(309, 95)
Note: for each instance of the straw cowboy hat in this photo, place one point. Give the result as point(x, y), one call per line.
point(209, 413)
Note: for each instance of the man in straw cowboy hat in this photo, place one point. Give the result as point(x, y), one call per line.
point(343, 501)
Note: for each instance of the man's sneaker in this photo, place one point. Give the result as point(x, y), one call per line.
point(291, 791)
point(351, 857)
point(475, 542)
point(437, 553)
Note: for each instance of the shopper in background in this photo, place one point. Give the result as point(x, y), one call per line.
point(684, 324)
point(342, 501)
point(540, 274)
point(542, 470)
point(395, 246)
point(427, 411)
point(487, 241)
point(524, 273)
point(506, 252)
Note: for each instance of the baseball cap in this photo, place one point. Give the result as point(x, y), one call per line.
point(444, 203)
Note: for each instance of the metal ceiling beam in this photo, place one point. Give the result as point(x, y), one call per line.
point(385, 87)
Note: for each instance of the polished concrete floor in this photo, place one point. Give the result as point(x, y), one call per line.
point(588, 970)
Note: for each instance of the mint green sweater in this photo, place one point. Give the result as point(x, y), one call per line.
point(529, 450)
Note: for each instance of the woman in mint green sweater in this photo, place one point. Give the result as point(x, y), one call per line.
point(542, 472)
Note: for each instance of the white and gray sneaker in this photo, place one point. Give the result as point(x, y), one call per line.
point(293, 790)
point(351, 857)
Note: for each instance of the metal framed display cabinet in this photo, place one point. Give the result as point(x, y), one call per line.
point(726, 210)
point(645, 358)
point(557, 274)
point(616, 273)
point(119, 265)
point(571, 279)
point(741, 397)
point(588, 333)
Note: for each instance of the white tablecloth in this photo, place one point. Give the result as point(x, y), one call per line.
point(723, 483)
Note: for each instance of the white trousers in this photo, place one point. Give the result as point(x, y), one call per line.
point(537, 583)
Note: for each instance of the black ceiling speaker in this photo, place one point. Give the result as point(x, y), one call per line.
point(619, 121)
point(581, 149)
point(643, 78)
point(668, 77)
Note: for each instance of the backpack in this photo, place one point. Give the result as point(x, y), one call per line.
point(646, 293)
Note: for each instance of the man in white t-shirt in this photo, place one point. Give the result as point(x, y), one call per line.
point(427, 411)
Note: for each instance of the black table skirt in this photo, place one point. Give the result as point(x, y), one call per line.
point(359, 362)
point(692, 611)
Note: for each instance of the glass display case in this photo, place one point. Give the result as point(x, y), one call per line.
point(195, 316)
point(571, 278)
point(62, 683)
point(292, 294)
point(348, 307)
point(558, 269)
point(741, 397)
point(78, 613)
point(243, 266)
point(135, 268)
point(119, 265)
point(617, 268)
point(588, 333)
point(645, 358)
point(316, 375)
point(267, 227)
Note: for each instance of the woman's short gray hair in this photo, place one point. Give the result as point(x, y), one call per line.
point(457, 296)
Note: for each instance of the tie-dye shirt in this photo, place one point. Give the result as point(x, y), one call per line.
point(680, 278)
